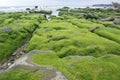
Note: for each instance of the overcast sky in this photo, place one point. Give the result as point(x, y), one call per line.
point(52, 2)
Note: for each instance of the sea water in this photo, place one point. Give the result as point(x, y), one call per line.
point(21, 5)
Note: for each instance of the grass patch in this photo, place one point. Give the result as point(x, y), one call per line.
point(110, 33)
point(83, 68)
point(82, 23)
point(67, 39)
point(21, 74)
point(15, 30)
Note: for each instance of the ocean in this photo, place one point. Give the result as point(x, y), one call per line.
point(53, 8)
point(21, 5)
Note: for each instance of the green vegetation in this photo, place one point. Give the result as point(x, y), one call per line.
point(15, 29)
point(21, 74)
point(78, 52)
point(64, 9)
point(110, 33)
point(35, 10)
point(67, 39)
point(82, 68)
point(89, 13)
point(82, 23)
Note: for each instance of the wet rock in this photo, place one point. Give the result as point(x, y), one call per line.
point(57, 38)
point(12, 59)
point(116, 21)
point(94, 28)
point(8, 64)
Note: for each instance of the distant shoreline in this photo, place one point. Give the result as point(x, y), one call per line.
point(23, 8)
